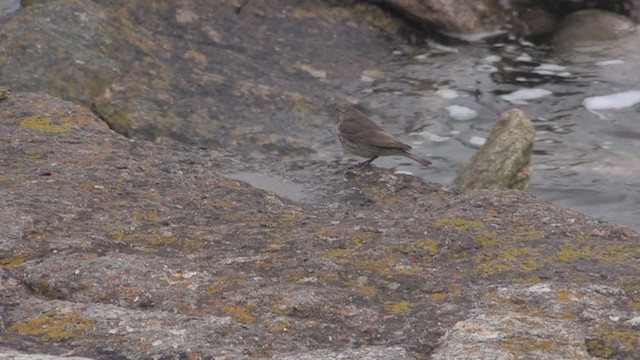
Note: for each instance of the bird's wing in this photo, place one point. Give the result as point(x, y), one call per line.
point(381, 138)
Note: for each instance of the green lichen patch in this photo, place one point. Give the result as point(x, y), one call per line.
point(338, 253)
point(56, 324)
point(511, 259)
point(625, 340)
point(397, 307)
point(360, 238)
point(452, 292)
point(364, 290)
point(146, 214)
point(565, 295)
point(45, 289)
point(280, 327)
point(599, 348)
point(488, 238)
point(609, 253)
point(33, 154)
point(384, 266)
point(160, 240)
point(12, 261)
point(462, 225)
point(120, 235)
point(241, 313)
point(153, 239)
point(570, 252)
point(429, 245)
point(522, 344)
point(44, 124)
point(530, 234)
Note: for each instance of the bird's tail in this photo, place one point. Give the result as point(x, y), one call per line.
point(422, 161)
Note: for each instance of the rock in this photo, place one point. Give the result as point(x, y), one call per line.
point(364, 353)
point(600, 37)
point(503, 161)
point(536, 20)
point(130, 249)
point(16, 355)
point(588, 26)
point(495, 335)
point(183, 71)
point(8, 8)
point(466, 17)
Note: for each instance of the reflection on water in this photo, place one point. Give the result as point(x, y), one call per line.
point(580, 160)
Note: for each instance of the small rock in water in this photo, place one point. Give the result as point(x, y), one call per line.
point(503, 161)
point(521, 96)
point(524, 58)
point(461, 113)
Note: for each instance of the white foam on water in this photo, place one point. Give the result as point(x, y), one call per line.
point(477, 140)
point(475, 37)
point(610, 62)
point(613, 101)
point(431, 136)
point(551, 67)
point(403, 172)
point(521, 96)
point(485, 68)
point(524, 57)
point(492, 59)
point(543, 72)
point(461, 113)
point(447, 93)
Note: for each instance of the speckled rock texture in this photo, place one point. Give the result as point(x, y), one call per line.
point(114, 248)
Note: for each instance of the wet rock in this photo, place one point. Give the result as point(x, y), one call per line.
point(458, 17)
point(589, 26)
point(131, 249)
point(595, 36)
point(535, 20)
point(503, 161)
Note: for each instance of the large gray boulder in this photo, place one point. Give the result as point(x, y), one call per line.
point(114, 248)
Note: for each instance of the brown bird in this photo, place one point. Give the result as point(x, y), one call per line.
point(360, 136)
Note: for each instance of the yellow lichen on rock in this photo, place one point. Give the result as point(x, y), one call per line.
point(12, 261)
point(399, 307)
point(56, 324)
point(460, 224)
point(429, 245)
point(241, 314)
point(44, 124)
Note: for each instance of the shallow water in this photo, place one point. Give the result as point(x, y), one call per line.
point(582, 160)
point(275, 184)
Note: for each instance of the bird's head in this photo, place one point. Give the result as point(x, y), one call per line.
point(340, 105)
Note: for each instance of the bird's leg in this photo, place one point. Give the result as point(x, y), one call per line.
point(367, 162)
